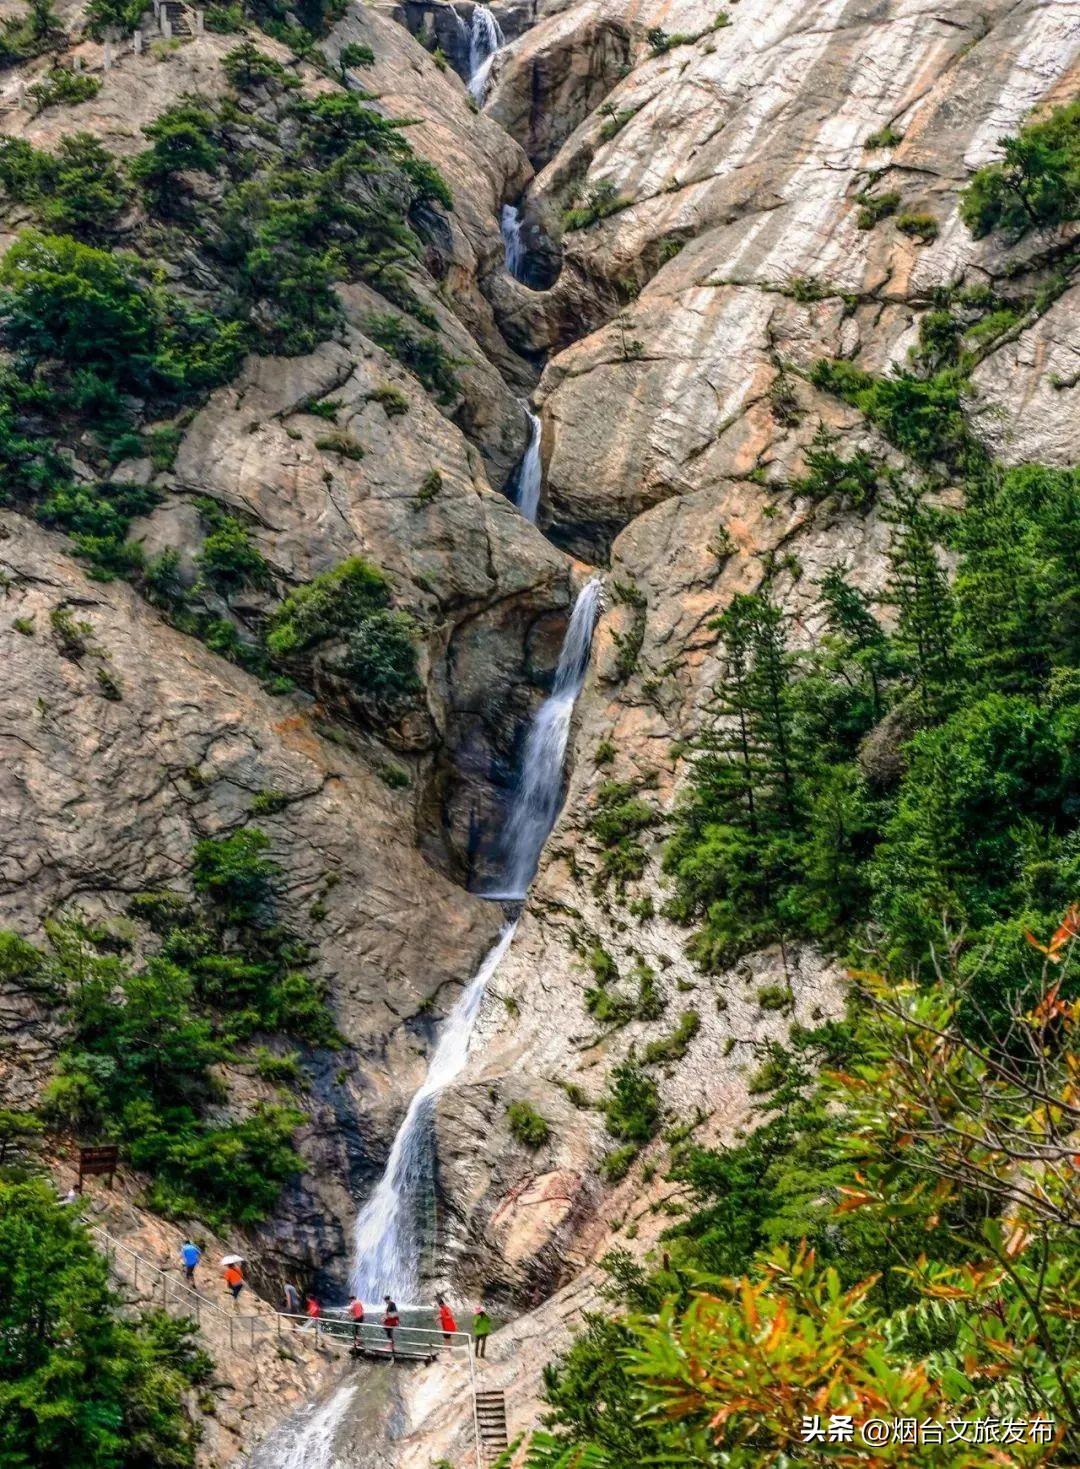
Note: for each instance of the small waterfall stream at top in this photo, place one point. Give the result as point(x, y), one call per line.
point(540, 784)
point(485, 38)
point(528, 479)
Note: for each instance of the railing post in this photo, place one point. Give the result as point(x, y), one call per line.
point(475, 1406)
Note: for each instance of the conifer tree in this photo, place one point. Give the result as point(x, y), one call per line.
point(919, 590)
point(857, 631)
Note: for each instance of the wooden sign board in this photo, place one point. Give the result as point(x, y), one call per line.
point(100, 1160)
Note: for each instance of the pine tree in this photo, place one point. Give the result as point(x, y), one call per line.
point(859, 635)
point(918, 588)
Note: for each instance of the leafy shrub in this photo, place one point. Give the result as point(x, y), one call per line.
point(380, 656)
point(272, 1067)
point(423, 354)
point(828, 473)
point(599, 201)
point(248, 68)
point(235, 873)
point(616, 1164)
point(331, 603)
point(97, 517)
point(19, 960)
point(183, 139)
point(616, 120)
point(673, 1047)
point(886, 137)
point(921, 416)
point(875, 207)
point(603, 966)
point(632, 1107)
point(1037, 183)
point(617, 819)
point(918, 224)
point(28, 35)
point(229, 559)
point(62, 87)
point(224, 20)
point(607, 1008)
point(355, 53)
point(102, 16)
point(527, 1125)
point(430, 487)
point(90, 309)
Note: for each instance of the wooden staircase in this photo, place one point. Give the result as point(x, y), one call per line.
point(491, 1424)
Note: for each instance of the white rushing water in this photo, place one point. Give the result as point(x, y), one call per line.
point(307, 1441)
point(529, 477)
point(485, 38)
point(513, 244)
point(387, 1237)
point(540, 783)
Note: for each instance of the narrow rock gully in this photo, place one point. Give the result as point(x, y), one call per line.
point(389, 1232)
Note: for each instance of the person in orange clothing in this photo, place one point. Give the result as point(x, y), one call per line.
point(446, 1319)
point(234, 1280)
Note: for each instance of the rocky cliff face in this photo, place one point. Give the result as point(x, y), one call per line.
point(715, 168)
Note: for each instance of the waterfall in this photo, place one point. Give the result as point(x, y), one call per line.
point(529, 476)
point(485, 38)
point(307, 1442)
point(387, 1236)
point(513, 245)
point(462, 31)
point(539, 792)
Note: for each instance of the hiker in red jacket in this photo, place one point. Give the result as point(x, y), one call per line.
point(446, 1319)
point(356, 1311)
point(389, 1321)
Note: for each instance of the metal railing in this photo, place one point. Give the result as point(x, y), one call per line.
point(333, 1327)
point(160, 1283)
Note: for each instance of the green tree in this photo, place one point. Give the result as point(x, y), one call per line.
point(183, 138)
point(919, 590)
point(235, 873)
point(1037, 183)
point(80, 1387)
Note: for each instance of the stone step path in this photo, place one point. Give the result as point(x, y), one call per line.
point(491, 1423)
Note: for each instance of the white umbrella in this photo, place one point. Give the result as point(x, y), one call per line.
point(232, 1259)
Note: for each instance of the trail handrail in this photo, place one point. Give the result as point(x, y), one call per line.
point(334, 1324)
point(193, 1299)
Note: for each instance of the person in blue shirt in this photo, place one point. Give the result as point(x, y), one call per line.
point(191, 1255)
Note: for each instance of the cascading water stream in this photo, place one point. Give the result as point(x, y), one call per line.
point(540, 784)
point(528, 480)
point(485, 38)
point(513, 245)
point(387, 1236)
point(307, 1441)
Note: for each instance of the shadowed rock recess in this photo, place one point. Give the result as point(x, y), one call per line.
point(185, 659)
